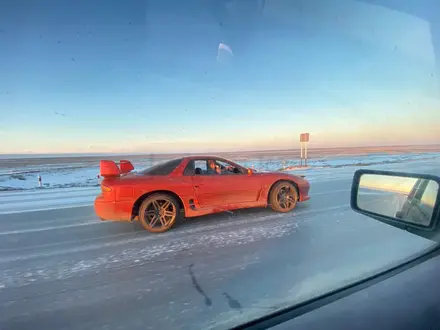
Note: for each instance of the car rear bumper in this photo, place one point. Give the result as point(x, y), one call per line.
point(111, 210)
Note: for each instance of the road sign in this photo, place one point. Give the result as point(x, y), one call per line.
point(304, 137)
point(304, 140)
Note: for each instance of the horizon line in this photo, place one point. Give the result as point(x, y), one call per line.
point(434, 145)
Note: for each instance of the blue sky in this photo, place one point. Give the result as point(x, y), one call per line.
point(134, 76)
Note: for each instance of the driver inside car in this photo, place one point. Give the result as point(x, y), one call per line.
point(213, 168)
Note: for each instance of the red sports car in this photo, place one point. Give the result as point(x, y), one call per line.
point(190, 187)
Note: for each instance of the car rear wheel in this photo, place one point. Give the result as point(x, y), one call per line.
point(159, 212)
point(283, 197)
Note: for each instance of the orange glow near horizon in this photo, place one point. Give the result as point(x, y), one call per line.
point(400, 185)
point(387, 183)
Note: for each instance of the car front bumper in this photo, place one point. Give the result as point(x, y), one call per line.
point(304, 193)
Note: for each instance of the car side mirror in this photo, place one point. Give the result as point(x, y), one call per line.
point(404, 200)
point(250, 171)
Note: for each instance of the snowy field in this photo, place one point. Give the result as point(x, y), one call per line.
point(71, 185)
point(80, 175)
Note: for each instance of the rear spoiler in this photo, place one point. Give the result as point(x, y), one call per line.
point(109, 168)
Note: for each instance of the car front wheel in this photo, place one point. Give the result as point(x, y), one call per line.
point(283, 197)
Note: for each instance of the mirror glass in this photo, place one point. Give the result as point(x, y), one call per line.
point(406, 199)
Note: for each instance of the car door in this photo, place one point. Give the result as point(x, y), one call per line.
point(208, 188)
point(213, 189)
point(246, 188)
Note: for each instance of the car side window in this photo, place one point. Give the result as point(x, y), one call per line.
point(200, 167)
point(196, 167)
point(228, 168)
point(430, 193)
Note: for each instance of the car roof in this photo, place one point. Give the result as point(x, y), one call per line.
point(203, 156)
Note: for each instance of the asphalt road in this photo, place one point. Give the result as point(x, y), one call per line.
point(65, 269)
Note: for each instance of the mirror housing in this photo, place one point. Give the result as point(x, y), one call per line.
point(250, 171)
point(407, 201)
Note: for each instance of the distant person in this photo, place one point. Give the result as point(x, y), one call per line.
point(39, 181)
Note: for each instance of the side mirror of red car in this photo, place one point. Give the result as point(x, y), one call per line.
point(250, 171)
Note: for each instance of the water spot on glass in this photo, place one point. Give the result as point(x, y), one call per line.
point(224, 54)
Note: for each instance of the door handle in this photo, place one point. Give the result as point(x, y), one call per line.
point(198, 185)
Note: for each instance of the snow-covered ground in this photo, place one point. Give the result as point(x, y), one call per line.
point(74, 190)
point(84, 175)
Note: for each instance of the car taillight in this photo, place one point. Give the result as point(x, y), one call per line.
point(105, 188)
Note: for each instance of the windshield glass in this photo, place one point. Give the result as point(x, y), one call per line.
point(163, 168)
point(287, 88)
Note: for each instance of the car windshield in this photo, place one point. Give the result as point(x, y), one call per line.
point(300, 93)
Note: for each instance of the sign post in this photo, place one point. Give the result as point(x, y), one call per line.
point(304, 140)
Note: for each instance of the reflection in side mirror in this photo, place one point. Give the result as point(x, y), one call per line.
point(409, 199)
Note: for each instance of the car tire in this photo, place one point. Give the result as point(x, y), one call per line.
point(159, 209)
point(282, 204)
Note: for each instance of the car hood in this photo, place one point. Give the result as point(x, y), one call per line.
point(279, 174)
